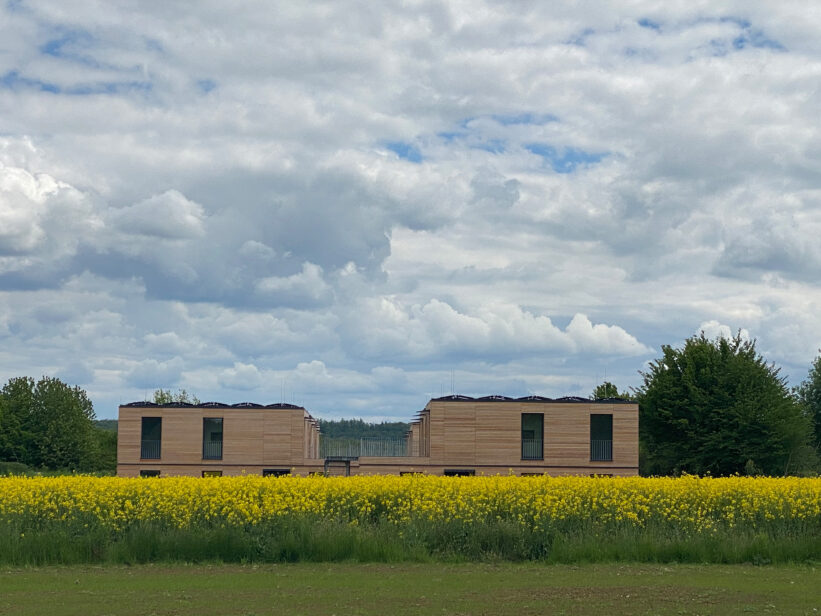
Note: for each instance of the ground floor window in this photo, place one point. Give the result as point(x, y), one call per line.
point(149, 473)
point(459, 472)
point(275, 472)
point(212, 473)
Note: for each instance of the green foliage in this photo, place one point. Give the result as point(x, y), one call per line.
point(302, 540)
point(48, 424)
point(715, 406)
point(109, 425)
point(357, 428)
point(166, 396)
point(608, 390)
point(809, 393)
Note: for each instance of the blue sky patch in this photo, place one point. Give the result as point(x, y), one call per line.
point(206, 85)
point(564, 160)
point(109, 87)
point(524, 118)
point(69, 45)
point(649, 23)
point(13, 81)
point(405, 150)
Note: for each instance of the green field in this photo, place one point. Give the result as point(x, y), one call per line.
point(315, 589)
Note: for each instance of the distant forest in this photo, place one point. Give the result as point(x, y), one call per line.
point(357, 428)
point(340, 428)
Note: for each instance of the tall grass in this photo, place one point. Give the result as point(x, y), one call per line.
point(305, 540)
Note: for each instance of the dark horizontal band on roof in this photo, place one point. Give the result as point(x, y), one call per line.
point(565, 399)
point(212, 405)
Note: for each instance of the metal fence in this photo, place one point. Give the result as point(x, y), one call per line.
point(363, 447)
point(601, 451)
point(532, 449)
point(212, 450)
point(150, 450)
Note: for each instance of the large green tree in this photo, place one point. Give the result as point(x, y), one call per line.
point(809, 392)
point(48, 424)
point(716, 406)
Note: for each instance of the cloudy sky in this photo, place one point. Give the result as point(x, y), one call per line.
point(356, 206)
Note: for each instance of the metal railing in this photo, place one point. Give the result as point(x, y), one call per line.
point(150, 450)
point(601, 450)
point(212, 450)
point(363, 447)
point(532, 449)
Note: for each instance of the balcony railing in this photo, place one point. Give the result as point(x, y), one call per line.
point(532, 449)
point(601, 450)
point(150, 450)
point(363, 447)
point(212, 450)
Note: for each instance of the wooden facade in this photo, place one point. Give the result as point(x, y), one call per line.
point(255, 439)
point(454, 435)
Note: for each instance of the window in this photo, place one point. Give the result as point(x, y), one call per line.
point(601, 438)
point(212, 473)
point(151, 438)
point(459, 472)
point(212, 438)
point(532, 436)
point(147, 473)
point(275, 472)
point(411, 473)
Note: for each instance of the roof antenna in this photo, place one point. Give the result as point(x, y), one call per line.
point(452, 379)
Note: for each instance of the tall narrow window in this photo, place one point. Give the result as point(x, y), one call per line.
point(151, 438)
point(212, 438)
point(601, 438)
point(532, 436)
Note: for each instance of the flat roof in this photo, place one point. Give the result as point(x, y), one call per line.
point(212, 405)
point(563, 400)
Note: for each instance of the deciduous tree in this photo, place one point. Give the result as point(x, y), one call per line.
point(716, 406)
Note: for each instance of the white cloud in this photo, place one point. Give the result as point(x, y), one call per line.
point(154, 374)
point(242, 376)
point(168, 215)
point(713, 330)
point(308, 285)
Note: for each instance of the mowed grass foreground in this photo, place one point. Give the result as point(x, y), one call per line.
point(413, 518)
point(404, 589)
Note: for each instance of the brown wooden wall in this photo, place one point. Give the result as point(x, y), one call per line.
point(465, 433)
point(270, 438)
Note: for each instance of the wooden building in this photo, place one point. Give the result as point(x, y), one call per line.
point(453, 435)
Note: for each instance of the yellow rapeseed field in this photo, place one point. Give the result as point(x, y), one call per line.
point(540, 503)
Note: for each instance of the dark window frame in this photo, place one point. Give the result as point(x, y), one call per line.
point(151, 449)
point(211, 473)
point(276, 472)
point(601, 447)
point(535, 449)
point(149, 473)
point(210, 450)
